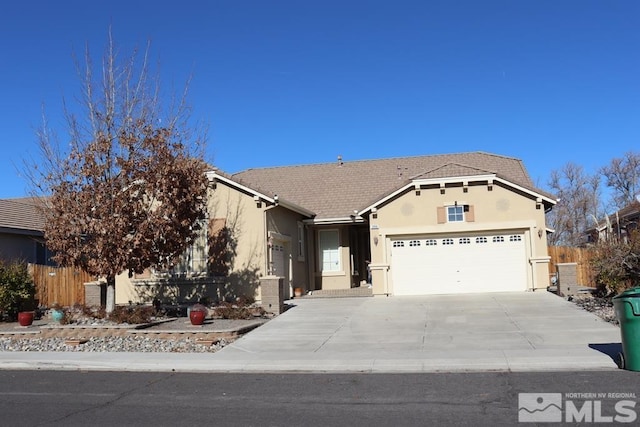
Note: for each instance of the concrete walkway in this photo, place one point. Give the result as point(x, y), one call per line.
point(480, 332)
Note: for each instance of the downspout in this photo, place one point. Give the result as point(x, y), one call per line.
point(387, 255)
point(310, 258)
point(532, 262)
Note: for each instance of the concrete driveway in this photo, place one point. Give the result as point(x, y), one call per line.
point(497, 331)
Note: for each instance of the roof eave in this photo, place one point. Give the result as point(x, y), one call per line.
point(213, 176)
point(339, 220)
point(296, 208)
point(449, 180)
point(22, 231)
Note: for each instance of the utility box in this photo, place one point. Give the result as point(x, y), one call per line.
point(567, 279)
point(95, 294)
point(272, 294)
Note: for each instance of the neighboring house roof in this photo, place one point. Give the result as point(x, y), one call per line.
point(21, 215)
point(632, 210)
point(627, 214)
point(336, 190)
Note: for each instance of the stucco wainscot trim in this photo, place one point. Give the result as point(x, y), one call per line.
point(177, 288)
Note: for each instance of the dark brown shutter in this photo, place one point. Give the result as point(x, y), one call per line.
point(470, 216)
point(442, 215)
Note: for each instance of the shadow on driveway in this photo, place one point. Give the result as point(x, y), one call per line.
point(612, 349)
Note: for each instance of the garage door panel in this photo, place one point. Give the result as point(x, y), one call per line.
point(488, 263)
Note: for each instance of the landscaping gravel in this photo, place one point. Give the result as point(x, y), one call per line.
point(138, 342)
point(601, 307)
point(113, 344)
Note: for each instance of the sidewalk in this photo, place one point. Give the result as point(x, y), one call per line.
point(481, 332)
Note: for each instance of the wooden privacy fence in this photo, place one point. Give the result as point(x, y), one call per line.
point(581, 256)
point(59, 284)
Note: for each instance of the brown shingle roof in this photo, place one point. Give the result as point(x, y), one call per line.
point(335, 190)
point(21, 214)
point(452, 169)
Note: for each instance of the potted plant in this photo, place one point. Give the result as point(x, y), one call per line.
point(17, 291)
point(57, 313)
point(25, 318)
point(198, 313)
point(26, 312)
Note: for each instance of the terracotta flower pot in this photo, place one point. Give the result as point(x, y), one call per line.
point(25, 318)
point(197, 317)
point(297, 292)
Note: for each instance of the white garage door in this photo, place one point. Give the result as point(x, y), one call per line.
point(461, 264)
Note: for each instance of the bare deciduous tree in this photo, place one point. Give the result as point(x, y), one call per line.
point(578, 207)
point(623, 176)
point(127, 191)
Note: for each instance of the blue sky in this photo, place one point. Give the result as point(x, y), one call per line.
point(284, 82)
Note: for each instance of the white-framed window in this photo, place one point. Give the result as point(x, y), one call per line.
point(431, 242)
point(481, 239)
point(300, 241)
point(398, 244)
point(515, 238)
point(464, 241)
point(447, 242)
point(455, 213)
point(498, 239)
point(193, 261)
point(413, 243)
point(329, 244)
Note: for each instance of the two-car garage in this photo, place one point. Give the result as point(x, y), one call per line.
point(458, 264)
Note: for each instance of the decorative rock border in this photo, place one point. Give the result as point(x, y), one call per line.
point(85, 332)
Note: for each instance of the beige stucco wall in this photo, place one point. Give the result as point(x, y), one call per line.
point(282, 224)
point(246, 219)
point(499, 209)
point(125, 291)
point(251, 224)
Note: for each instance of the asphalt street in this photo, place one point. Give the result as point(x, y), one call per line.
point(74, 398)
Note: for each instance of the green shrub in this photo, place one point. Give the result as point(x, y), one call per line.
point(17, 290)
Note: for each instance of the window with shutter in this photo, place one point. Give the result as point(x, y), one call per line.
point(455, 213)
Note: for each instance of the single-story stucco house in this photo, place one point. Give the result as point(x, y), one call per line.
point(455, 223)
